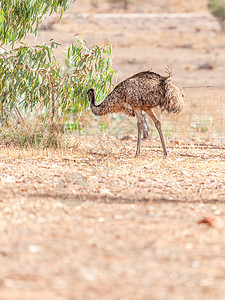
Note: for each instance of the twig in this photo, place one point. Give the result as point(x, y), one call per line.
point(52, 101)
point(19, 115)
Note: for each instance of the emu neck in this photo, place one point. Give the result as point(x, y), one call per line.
point(101, 109)
point(93, 101)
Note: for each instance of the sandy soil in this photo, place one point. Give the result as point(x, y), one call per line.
point(98, 224)
point(93, 222)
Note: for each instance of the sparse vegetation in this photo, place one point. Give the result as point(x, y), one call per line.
point(124, 2)
point(217, 8)
point(31, 77)
point(35, 135)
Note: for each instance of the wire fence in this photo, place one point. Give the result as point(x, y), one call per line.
point(202, 119)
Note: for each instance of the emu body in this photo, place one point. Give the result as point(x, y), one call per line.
point(141, 92)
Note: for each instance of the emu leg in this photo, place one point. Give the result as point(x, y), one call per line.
point(158, 127)
point(145, 126)
point(140, 127)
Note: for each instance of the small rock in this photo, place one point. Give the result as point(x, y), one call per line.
point(216, 222)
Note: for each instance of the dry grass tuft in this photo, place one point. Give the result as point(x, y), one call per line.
point(35, 135)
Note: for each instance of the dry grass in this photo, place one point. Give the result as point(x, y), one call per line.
point(31, 135)
point(85, 224)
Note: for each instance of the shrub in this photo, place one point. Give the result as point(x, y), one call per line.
point(30, 77)
point(33, 83)
point(217, 8)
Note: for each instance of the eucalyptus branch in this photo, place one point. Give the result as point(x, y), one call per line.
point(16, 19)
point(33, 77)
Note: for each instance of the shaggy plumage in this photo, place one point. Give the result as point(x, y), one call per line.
point(141, 92)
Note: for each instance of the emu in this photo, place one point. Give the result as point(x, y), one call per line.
point(141, 93)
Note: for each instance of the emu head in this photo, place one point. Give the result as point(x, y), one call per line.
point(91, 94)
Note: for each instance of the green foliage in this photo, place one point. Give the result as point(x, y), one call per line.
point(31, 77)
point(26, 74)
point(17, 17)
point(32, 81)
point(217, 8)
point(88, 67)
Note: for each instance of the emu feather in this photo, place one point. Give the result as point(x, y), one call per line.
point(141, 93)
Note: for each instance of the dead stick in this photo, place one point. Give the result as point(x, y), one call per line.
point(19, 115)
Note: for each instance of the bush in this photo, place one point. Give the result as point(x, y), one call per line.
point(34, 84)
point(31, 77)
point(217, 8)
